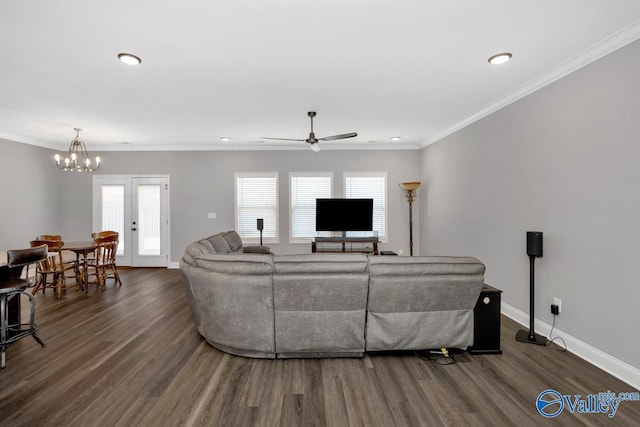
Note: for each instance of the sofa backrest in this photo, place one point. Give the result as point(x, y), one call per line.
point(320, 263)
point(221, 243)
point(239, 264)
point(424, 283)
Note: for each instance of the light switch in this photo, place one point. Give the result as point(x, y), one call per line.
point(211, 215)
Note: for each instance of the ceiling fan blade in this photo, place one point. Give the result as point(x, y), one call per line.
point(314, 147)
point(284, 139)
point(343, 136)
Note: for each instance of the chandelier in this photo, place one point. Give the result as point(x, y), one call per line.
point(78, 158)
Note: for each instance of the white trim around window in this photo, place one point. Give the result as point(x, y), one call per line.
point(256, 196)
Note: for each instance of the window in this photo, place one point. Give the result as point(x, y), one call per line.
point(305, 188)
point(369, 185)
point(257, 197)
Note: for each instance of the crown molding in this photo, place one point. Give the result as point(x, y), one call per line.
point(230, 146)
point(602, 48)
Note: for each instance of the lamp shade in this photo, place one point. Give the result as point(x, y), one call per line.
point(410, 186)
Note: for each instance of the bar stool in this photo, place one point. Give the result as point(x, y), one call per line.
point(12, 285)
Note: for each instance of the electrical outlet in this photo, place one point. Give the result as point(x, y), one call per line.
point(558, 302)
point(554, 309)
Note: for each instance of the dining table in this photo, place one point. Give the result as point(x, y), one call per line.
point(82, 250)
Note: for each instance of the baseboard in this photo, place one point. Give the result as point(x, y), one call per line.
point(173, 265)
point(602, 360)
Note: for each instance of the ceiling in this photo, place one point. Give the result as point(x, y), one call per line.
point(247, 69)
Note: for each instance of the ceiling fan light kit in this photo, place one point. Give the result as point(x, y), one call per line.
point(312, 140)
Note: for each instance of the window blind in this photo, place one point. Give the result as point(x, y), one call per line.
point(304, 190)
point(369, 185)
point(257, 197)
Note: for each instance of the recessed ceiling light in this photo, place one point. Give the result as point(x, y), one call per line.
point(129, 58)
point(500, 58)
point(396, 138)
point(225, 139)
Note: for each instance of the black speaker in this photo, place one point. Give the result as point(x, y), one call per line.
point(534, 243)
point(260, 224)
point(534, 249)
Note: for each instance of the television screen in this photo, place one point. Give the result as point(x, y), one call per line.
point(344, 214)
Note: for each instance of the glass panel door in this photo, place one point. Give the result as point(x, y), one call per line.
point(148, 219)
point(138, 209)
point(113, 212)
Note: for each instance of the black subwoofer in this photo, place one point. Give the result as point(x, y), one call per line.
point(486, 322)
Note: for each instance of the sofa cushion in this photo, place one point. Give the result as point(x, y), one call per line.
point(320, 263)
point(220, 244)
point(194, 250)
point(207, 246)
point(234, 240)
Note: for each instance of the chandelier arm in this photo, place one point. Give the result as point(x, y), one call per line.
point(77, 157)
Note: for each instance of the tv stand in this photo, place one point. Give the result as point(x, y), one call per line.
point(339, 244)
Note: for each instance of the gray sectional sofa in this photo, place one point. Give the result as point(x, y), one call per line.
point(327, 305)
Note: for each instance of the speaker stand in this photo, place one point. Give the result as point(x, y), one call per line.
point(523, 336)
point(530, 336)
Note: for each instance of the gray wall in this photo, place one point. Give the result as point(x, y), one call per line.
point(564, 161)
point(30, 194)
point(203, 182)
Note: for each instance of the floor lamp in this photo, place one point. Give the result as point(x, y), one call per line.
point(410, 188)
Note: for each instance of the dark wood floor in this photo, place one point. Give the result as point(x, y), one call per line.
point(131, 356)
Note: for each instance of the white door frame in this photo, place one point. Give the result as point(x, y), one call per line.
point(129, 181)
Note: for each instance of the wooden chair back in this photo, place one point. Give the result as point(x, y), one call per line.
point(53, 262)
point(49, 237)
point(107, 248)
point(104, 233)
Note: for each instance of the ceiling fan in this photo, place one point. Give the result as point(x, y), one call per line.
point(312, 140)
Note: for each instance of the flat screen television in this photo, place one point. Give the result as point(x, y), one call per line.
point(344, 214)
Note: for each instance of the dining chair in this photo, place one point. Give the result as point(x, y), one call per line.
point(104, 263)
point(67, 256)
point(52, 266)
point(12, 285)
point(103, 233)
